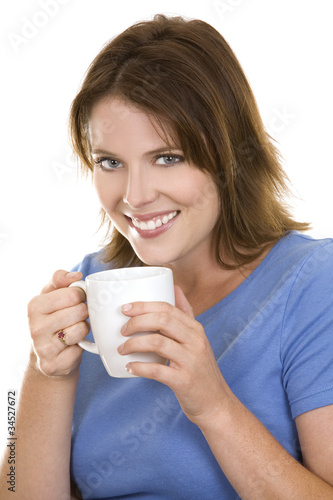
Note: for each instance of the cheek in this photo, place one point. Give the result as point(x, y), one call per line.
point(204, 197)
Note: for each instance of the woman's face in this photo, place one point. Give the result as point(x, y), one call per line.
point(165, 207)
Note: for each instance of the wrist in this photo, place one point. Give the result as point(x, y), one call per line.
point(34, 369)
point(219, 414)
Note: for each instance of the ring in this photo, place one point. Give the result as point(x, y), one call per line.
point(61, 336)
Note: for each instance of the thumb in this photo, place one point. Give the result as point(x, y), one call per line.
point(182, 303)
point(61, 279)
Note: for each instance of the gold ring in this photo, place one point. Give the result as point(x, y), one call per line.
point(61, 336)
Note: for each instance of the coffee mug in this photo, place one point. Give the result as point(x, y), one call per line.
point(107, 292)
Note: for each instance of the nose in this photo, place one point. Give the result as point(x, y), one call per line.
point(139, 190)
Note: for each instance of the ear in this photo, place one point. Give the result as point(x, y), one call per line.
point(182, 303)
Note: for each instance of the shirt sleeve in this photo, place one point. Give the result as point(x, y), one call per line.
point(307, 334)
point(92, 263)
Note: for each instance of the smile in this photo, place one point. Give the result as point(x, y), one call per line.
point(150, 225)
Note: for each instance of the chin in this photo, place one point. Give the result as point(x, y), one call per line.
point(162, 260)
point(153, 259)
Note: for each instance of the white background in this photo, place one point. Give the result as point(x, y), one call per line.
point(49, 216)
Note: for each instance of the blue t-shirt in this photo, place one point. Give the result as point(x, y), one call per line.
point(273, 340)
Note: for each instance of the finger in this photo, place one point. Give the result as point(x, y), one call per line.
point(48, 351)
point(61, 335)
point(182, 303)
point(170, 321)
point(61, 279)
point(154, 371)
point(56, 300)
point(155, 343)
point(168, 324)
point(66, 318)
point(61, 299)
point(138, 308)
point(50, 347)
point(41, 332)
point(70, 357)
point(73, 334)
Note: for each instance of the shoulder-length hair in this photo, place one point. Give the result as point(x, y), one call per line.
point(184, 74)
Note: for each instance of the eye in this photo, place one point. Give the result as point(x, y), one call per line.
point(169, 159)
point(107, 163)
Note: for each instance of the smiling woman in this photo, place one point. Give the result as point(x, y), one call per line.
point(188, 179)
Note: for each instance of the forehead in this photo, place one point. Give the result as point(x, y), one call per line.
point(112, 108)
point(113, 119)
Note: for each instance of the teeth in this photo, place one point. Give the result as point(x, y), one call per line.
point(153, 224)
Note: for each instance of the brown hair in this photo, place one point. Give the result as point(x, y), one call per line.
point(185, 75)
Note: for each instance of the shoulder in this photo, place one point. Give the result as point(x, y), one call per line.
point(304, 244)
point(313, 259)
point(303, 254)
point(309, 265)
point(295, 262)
point(92, 263)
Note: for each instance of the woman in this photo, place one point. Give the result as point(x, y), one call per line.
point(187, 178)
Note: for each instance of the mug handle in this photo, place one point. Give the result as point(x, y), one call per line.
point(85, 344)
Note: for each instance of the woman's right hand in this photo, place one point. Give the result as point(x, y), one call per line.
point(58, 308)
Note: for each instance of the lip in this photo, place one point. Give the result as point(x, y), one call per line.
point(145, 217)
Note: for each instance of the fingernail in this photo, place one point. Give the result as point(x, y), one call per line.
point(72, 275)
point(123, 328)
point(129, 369)
point(120, 348)
point(126, 307)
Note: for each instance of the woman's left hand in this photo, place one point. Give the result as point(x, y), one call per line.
point(192, 372)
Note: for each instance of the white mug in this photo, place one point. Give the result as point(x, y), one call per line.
point(107, 292)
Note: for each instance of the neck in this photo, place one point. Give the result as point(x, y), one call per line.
point(206, 283)
point(203, 282)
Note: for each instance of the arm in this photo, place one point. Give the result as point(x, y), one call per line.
point(47, 395)
point(315, 432)
point(44, 421)
point(256, 465)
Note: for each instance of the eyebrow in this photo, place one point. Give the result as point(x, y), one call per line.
point(148, 153)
